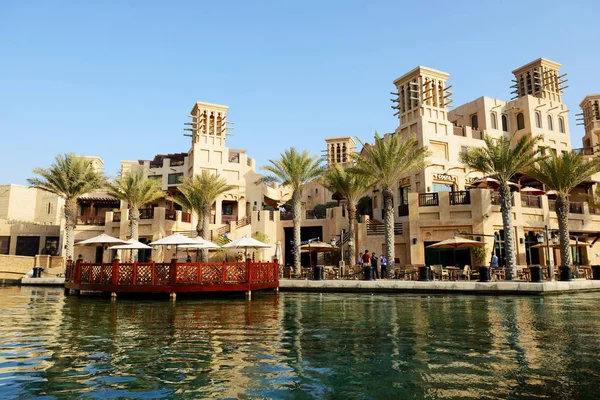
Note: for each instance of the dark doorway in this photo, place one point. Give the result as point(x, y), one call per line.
point(532, 255)
point(447, 257)
point(306, 233)
point(99, 253)
point(144, 255)
point(27, 245)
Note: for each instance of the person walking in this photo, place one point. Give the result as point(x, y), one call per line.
point(374, 266)
point(384, 271)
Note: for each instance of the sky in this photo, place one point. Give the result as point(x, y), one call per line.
point(117, 79)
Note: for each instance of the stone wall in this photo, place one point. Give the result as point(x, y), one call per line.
point(12, 268)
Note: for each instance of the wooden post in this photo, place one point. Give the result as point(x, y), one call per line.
point(115, 272)
point(173, 272)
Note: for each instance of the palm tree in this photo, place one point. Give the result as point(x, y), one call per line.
point(386, 162)
point(562, 174)
point(502, 160)
point(350, 186)
point(69, 177)
point(295, 169)
point(137, 189)
point(199, 194)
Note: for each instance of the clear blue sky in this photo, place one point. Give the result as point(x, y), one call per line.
point(117, 81)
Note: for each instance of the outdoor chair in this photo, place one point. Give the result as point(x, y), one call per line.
point(399, 272)
point(410, 272)
point(439, 272)
point(465, 273)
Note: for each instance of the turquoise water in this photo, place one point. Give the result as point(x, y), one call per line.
point(299, 346)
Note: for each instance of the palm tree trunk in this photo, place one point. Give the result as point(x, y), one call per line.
point(296, 215)
point(205, 229)
point(134, 224)
point(351, 229)
point(562, 212)
point(507, 223)
point(390, 253)
point(70, 222)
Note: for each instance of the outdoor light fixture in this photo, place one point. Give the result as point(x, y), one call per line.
point(554, 238)
point(332, 241)
point(168, 247)
point(156, 247)
point(540, 238)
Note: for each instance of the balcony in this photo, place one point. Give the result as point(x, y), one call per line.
point(459, 131)
point(96, 221)
point(316, 214)
point(575, 207)
point(403, 210)
point(495, 199)
point(376, 228)
point(286, 216)
point(428, 200)
point(531, 201)
point(170, 215)
point(147, 213)
point(176, 163)
point(460, 197)
point(477, 134)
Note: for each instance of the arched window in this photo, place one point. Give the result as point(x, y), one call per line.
point(474, 122)
point(520, 121)
point(504, 123)
point(538, 119)
point(550, 124)
point(493, 120)
point(561, 124)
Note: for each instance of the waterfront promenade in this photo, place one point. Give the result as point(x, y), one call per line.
point(458, 287)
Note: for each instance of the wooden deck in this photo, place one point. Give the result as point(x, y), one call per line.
point(172, 277)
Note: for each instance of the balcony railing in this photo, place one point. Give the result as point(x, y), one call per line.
point(403, 210)
point(477, 134)
point(176, 163)
point(147, 213)
point(575, 207)
point(428, 199)
point(459, 131)
point(243, 222)
point(376, 228)
point(495, 199)
point(531, 201)
point(316, 214)
point(98, 221)
point(460, 197)
point(170, 215)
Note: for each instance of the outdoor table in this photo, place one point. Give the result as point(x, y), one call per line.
point(452, 272)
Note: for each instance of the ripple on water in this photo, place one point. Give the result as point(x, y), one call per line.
point(299, 346)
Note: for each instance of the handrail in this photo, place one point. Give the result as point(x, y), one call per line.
point(155, 274)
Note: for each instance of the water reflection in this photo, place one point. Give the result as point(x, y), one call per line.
point(299, 346)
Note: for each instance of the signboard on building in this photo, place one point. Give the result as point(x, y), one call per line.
point(444, 177)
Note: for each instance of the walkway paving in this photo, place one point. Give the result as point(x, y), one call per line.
point(399, 286)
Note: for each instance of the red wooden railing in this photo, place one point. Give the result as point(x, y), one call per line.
point(155, 274)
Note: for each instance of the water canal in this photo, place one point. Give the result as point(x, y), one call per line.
point(295, 345)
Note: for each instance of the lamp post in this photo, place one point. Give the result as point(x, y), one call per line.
point(333, 242)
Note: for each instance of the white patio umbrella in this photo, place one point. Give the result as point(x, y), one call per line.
point(532, 191)
point(102, 239)
point(488, 182)
point(246, 243)
point(199, 244)
point(131, 245)
point(176, 239)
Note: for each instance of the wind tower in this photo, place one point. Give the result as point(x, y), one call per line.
point(340, 150)
point(590, 119)
point(208, 125)
point(540, 78)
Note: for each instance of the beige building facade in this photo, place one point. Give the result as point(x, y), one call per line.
point(431, 205)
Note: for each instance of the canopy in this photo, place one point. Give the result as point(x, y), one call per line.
point(174, 239)
point(102, 239)
point(318, 247)
point(246, 243)
point(132, 244)
point(456, 243)
point(489, 182)
point(200, 244)
point(551, 193)
point(533, 191)
point(572, 243)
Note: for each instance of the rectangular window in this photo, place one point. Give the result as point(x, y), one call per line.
point(403, 195)
point(227, 209)
point(4, 244)
point(27, 245)
point(51, 246)
point(174, 179)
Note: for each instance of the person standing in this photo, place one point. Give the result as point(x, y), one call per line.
point(384, 271)
point(366, 260)
point(374, 266)
point(359, 264)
